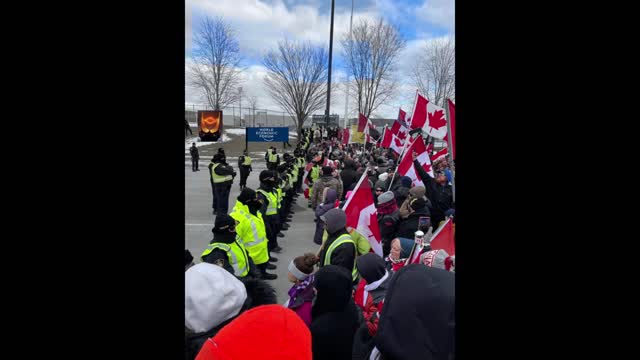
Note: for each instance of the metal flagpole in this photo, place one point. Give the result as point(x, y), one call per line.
point(346, 101)
point(450, 152)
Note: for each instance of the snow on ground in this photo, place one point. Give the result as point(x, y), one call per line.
point(235, 131)
point(189, 140)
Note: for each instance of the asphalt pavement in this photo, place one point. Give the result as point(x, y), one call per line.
point(199, 220)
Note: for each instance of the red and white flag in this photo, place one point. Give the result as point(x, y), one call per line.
point(406, 168)
point(402, 117)
point(443, 238)
point(389, 140)
point(419, 116)
point(430, 148)
point(345, 136)
point(429, 117)
point(452, 125)
point(364, 124)
point(439, 155)
point(399, 130)
point(362, 214)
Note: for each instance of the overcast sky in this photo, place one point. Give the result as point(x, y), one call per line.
point(262, 23)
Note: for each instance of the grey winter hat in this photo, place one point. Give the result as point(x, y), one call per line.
point(380, 184)
point(385, 197)
point(335, 219)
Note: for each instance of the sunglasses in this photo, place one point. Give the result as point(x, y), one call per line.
point(378, 190)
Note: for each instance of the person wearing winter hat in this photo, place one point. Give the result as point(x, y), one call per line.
point(408, 226)
point(329, 202)
point(414, 193)
point(401, 189)
point(222, 176)
point(269, 332)
point(252, 231)
point(269, 199)
point(418, 322)
point(388, 219)
point(212, 298)
point(369, 297)
point(379, 189)
point(436, 259)
point(326, 181)
point(400, 251)
point(339, 249)
point(225, 250)
point(335, 317)
point(301, 293)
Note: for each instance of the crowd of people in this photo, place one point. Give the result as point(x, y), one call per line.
point(345, 302)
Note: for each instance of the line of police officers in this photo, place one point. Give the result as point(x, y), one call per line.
point(243, 240)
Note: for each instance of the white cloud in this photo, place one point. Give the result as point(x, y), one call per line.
point(260, 24)
point(439, 12)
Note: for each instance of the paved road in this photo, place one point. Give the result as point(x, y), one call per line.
point(199, 221)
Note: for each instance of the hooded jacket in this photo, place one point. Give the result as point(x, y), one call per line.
point(348, 175)
point(319, 186)
point(327, 204)
point(228, 300)
point(418, 322)
point(335, 318)
point(369, 296)
point(441, 196)
point(408, 226)
point(414, 193)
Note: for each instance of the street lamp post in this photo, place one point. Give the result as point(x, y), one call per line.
point(326, 112)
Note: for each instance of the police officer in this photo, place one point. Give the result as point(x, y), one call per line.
point(251, 230)
point(244, 164)
point(195, 156)
point(226, 250)
point(272, 158)
point(222, 177)
point(269, 208)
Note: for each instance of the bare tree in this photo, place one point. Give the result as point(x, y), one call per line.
point(216, 57)
point(253, 104)
point(371, 52)
point(434, 72)
point(296, 78)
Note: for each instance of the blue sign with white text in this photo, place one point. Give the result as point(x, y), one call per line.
point(268, 134)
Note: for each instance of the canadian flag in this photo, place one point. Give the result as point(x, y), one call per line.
point(345, 136)
point(452, 125)
point(362, 214)
point(444, 238)
point(439, 155)
point(402, 115)
point(429, 117)
point(399, 130)
point(406, 168)
point(389, 140)
point(364, 124)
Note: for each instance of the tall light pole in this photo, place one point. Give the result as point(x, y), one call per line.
point(326, 112)
point(346, 101)
point(240, 94)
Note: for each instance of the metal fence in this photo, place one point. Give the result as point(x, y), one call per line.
point(246, 116)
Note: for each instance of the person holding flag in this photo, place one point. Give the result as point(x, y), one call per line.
point(437, 190)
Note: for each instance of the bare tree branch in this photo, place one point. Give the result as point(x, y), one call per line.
point(434, 73)
point(296, 79)
point(216, 69)
point(371, 52)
